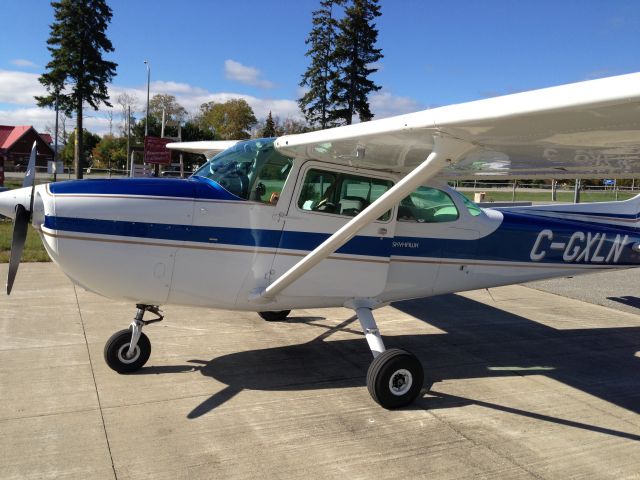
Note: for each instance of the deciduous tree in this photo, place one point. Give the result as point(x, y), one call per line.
point(172, 109)
point(87, 139)
point(128, 102)
point(231, 120)
point(110, 152)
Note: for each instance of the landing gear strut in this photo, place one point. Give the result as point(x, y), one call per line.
point(395, 377)
point(128, 350)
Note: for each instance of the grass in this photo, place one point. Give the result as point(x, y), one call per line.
point(33, 249)
point(562, 196)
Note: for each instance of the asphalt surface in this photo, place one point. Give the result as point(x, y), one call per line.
point(619, 289)
point(520, 383)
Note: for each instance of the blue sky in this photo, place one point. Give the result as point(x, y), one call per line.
point(435, 53)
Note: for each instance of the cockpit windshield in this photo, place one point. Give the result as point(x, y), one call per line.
point(252, 170)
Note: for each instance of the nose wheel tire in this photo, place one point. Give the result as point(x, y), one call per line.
point(275, 316)
point(395, 378)
point(117, 347)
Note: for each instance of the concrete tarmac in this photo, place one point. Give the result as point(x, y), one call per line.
point(521, 383)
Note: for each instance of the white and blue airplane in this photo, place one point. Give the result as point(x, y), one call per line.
point(356, 216)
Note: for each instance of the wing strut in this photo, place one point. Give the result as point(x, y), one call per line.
point(445, 150)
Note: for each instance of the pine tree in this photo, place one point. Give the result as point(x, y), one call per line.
point(315, 104)
point(77, 73)
point(356, 54)
point(269, 129)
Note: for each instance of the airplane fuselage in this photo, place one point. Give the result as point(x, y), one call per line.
point(192, 242)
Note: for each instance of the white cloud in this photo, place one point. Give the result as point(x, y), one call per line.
point(44, 118)
point(35, 116)
point(176, 88)
point(21, 62)
point(384, 104)
point(19, 88)
point(248, 75)
point(17, 105)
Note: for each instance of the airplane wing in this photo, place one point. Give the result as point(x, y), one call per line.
point(208, 148)
point(586, 129)
point(583, 130)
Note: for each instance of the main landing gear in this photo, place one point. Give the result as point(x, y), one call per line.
point(395, 377)
point(128, 350)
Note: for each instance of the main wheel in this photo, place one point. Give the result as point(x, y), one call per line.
point(115, 352)
point(275, 316)
point(395, 378)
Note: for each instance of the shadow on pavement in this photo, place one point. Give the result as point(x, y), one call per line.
point(479, 341)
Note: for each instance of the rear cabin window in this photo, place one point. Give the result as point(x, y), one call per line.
point(341, 193)
point(427, 205)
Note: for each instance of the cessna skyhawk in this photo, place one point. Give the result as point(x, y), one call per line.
point(355, 216)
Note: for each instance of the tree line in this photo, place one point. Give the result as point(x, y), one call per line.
point(342, 56)
point(230, 120)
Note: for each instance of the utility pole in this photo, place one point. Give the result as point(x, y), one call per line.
point(576, 192)
point(181, 158)
point(55, 144)
point(146, 122)
point(128, 131)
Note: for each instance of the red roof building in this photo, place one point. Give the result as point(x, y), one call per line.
point(15, 148)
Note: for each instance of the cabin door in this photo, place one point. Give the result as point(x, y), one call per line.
point(325, 199)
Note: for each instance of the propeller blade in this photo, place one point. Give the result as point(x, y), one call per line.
point(30, 176)
point(20, 225)
point(21, 220)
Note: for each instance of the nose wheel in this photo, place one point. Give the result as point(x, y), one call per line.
point(117, 356)
point(128, 350)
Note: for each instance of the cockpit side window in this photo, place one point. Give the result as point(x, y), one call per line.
point(474, 210)
point(427, 205)
point(269, 179)
point(340, 193)
point(252, 170)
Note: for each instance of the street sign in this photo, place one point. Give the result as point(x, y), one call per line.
point(155, 150)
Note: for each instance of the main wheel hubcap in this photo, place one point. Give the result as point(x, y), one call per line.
point(400, 382)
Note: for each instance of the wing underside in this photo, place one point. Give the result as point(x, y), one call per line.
point(208, 148)
point(582, 130)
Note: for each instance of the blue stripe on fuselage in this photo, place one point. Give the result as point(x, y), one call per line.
point(514, 241)
point(245, 237)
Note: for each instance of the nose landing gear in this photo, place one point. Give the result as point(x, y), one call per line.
point(128, 350)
